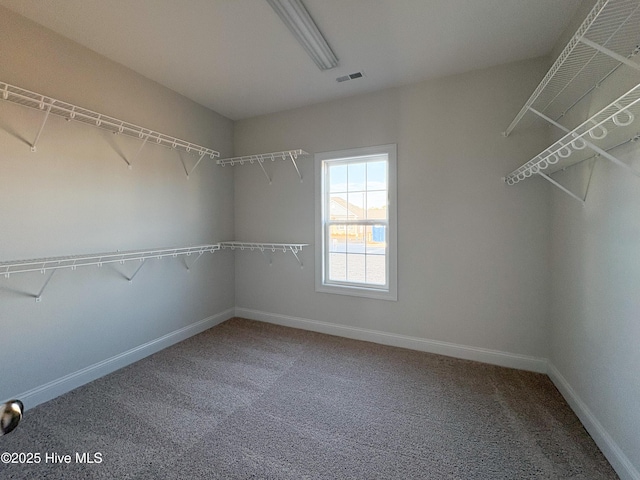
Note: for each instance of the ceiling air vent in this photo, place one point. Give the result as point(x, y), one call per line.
point(351, 76)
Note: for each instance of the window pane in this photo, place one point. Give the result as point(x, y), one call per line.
point(338, 207)
point(376, 269)
point(377, 205)
point(337, 178)
point(355, 238)
point(377, 175)
point(337, 241)
point(356, 206)
point(376, 237)
point(355, 268)
point(337, 267)
point(357, 176)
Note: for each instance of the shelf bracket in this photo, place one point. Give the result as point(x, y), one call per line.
point(610, 53)
point(562, 187)
point(548, 119)
point(46, 282)
point(611, 158)
point(184, 165)
point(44, 121)
point(142, 262)
point(194, 262)
point(295, 254)
point(293, 159)
point(135, 157)
point(260, 162)
point(202, 154)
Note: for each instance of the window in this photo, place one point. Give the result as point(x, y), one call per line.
point(356, 222)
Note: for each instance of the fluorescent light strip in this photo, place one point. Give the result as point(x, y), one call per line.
point(296, 17)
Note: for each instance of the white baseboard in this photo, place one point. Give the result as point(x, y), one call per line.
point(65, 384)
point(618, 460)
point(485, 355)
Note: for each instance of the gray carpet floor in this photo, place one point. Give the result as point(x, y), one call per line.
point(252, 400)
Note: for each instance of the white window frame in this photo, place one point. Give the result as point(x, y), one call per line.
point(390, 290)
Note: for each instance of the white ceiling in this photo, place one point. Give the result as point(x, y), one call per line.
point(237, 58)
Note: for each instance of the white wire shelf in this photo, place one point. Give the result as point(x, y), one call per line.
point(607, 39)
point(260, 158)
point(73, 261)
point(50, 105)
point(266, 248)
point(52, 264)
point(612, 126)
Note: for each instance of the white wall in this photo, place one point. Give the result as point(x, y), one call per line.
point(594, 357)
point(472, 251)
point(595, 257)
point(75, 195)
point(596, 305)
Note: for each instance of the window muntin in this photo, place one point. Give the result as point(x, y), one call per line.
point(357, 208)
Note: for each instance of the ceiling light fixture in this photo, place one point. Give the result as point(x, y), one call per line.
point(295, 16)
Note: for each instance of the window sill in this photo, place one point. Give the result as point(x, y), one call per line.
point(358, 292)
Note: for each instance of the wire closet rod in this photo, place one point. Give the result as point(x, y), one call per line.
point(631, 139)
point(51, 265)
point(70, 112)
point(618, 113)
point(263, 246)
point(607, 36)
point(294, 248)
point(72, 262)
point(260, 158)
